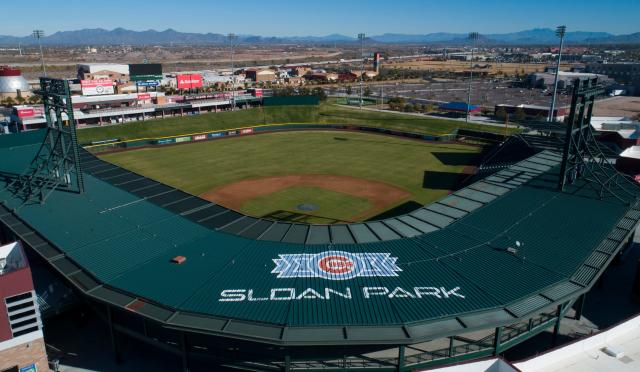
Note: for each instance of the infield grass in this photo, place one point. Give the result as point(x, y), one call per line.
point(426, 170)
point(333, 207)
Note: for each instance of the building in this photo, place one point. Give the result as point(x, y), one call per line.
point(565, 79)
point(95, 71)
point(459, 107)
point(623, 73)
point(260, 75)
point(533, 112)
point(300, 70)
point(21, 340)
point(12, 83)
point(629, 161)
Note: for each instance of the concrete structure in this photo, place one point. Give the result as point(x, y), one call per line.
point(616, 349)
point(114, 71)
point(12, 83)
point(21, 339)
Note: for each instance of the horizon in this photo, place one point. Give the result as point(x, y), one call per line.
point(287, 18)
point(310, 35)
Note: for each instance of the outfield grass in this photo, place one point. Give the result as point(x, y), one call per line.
point(200, 167)
point(332, 206)
point(325, 113)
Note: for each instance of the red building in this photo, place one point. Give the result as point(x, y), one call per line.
point(21, 341)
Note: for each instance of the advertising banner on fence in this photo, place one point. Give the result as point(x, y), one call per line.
point(189, 81)
point(143, 96)
point(26, 112)
point(96, 87)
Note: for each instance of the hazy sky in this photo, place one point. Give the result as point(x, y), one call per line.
point(301, 18)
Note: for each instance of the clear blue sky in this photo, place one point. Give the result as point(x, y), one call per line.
point(321, 17)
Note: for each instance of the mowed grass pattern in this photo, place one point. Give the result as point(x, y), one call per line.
point(325, 113)
point(332, 206)
point(200, 167)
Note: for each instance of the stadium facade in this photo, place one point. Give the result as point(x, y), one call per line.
point(468, 276)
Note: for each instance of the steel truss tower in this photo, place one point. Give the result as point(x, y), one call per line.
point(582, 156)
point(56, 165)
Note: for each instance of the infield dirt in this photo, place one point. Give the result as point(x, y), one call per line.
point(381, 195)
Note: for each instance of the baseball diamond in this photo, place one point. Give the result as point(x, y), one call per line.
point(472, 272)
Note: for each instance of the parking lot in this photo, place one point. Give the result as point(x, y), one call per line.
point(484, 93)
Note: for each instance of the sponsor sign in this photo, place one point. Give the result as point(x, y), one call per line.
point(26, 112)
point(189, 81)
point(200, 137)
point(165, 141)
point(143, 96)
point(29, 368)
point(183, 139)
point(148, 83)
point(232, 133)
point(246, 131)
point(214, 135)
point(96, 87)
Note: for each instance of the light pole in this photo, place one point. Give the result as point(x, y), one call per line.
point(560, 31)
point(361, 38)
point(473, 36)
point(232, 37)
point(38, 34)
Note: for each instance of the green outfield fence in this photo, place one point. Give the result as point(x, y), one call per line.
point(115, 145)
point(291, 101)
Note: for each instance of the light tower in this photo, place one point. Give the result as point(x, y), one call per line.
point(232, 38)
point(560, 31)
point(473, 36)
point(38, 34)
point(361, 37)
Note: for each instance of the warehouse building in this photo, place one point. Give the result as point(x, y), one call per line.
point(623, 73)
point(95, 71)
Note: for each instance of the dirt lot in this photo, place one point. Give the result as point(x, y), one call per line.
point(461, 66)
point(618, 106)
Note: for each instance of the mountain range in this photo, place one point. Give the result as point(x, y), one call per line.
point(99, 36)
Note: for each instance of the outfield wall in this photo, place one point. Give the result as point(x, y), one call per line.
point(116, 145)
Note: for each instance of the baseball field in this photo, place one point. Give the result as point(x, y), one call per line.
point(309, 176)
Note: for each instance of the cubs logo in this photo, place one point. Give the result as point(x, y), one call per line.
point(335, 265)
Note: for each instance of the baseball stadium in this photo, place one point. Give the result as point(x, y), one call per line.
point(320, 247)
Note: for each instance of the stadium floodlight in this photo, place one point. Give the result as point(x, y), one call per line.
point(473, 36)
point(361, 37)
point(560, 31)
point(39, 34)
point(232, 38)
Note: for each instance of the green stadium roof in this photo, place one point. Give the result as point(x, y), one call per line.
point(490, 254)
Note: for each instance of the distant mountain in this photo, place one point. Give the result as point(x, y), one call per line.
point(99, 36)
point(538, 36)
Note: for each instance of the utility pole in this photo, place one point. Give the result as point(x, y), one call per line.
point(232, 37)
point(38, 34)
point(361, 38)
point(473, 36)
point(560, 31)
